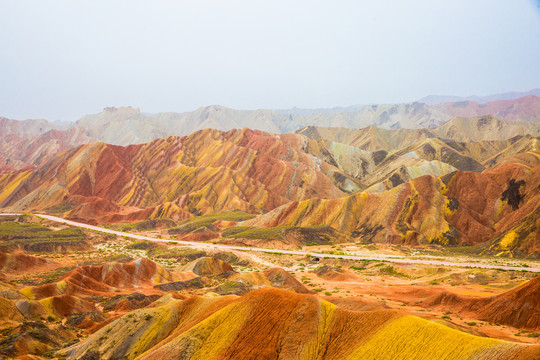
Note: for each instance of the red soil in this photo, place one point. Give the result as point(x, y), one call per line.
point(106, 279)
point(282, 279)
point(21, 263)
point(519, 307)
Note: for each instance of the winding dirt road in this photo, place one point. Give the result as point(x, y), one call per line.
point(380, 257)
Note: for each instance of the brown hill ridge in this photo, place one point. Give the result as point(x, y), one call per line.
point(249, 170)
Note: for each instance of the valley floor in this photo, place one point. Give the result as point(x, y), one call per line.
point(350, 252)
point(448, 289)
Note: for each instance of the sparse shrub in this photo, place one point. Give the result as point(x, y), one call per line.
point(72, 342)
point(389, 270)
point(49, 354)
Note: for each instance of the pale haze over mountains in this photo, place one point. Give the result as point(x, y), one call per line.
point(70, 59)
point(372, 147)
point(437, 99)
point(128, 125)
point(215, 180)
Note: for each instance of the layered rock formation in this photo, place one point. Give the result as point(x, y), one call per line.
point(461, 208)
point(519, 307)
point(207, 172)
point(270, 323)
point(29, 143)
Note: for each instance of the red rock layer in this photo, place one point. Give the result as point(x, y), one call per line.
point(206, 172)
point(20, 262)
point(105, 279)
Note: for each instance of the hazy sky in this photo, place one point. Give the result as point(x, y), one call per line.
point(62, 59)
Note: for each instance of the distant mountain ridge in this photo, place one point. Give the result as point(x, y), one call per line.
point(371, 158)
point(34, 142)
point(29, 143)
point(128, 125)
point(437, 99)
point(526, 108)
point(381, 159)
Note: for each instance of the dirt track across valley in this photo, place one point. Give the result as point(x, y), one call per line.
point(375, 257)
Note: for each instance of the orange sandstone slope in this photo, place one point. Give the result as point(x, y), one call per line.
point(462, 207)
point(273, 323)
point(104, 280)
point(206, 172)
point(21, 263)
point(519, 307)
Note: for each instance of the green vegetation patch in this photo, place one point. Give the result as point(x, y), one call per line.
point(46, 277)
point(310, 235)
point(232, 287)
point(61, 208)
point(177, 253)
point(389, 270)
point(35, 237)
point(142, 245)
point(315, 235)
point(246, 232)
point(197, 222)
point(150, 224)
